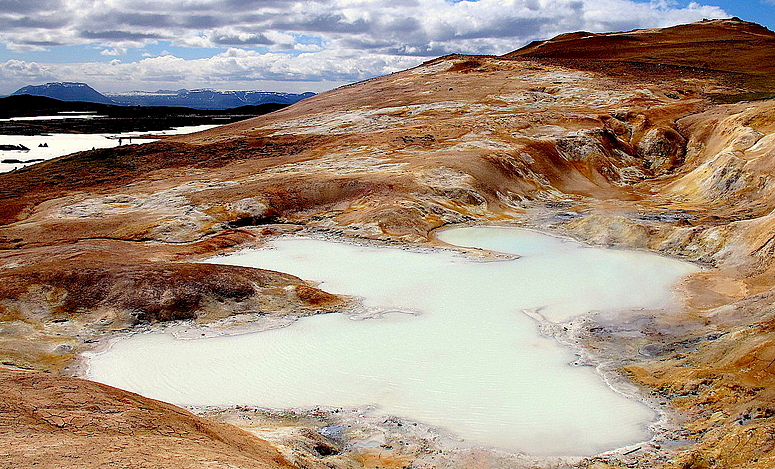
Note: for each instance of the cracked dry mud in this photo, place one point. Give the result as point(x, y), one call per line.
point(652, 139)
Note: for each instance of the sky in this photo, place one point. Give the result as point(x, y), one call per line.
point(295, 46)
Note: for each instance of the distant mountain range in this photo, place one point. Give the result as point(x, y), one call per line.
point(71, 92)
point(197, 99)
point(205, 99)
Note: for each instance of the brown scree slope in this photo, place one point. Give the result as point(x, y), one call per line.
point(55, 422)
point(651, 139)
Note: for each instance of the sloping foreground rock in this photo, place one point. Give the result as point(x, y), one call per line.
point(56, 422)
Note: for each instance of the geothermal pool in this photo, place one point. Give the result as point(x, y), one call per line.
point(453, 346)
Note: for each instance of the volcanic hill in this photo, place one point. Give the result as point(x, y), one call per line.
point(659, 139)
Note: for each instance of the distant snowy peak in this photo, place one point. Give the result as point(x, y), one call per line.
point(197, 99)
point(206, 98)
point(66, 91)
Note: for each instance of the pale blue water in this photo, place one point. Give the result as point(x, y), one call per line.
point(471, 361)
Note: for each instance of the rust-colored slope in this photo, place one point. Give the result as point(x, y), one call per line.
point(731, 46)
point(53, 422)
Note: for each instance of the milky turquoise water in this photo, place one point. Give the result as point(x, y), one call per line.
point(454, 348)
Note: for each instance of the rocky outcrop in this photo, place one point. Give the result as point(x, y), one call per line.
point(54, 310)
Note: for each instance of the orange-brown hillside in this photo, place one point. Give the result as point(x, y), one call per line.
point(54, 422)
point(743, 50)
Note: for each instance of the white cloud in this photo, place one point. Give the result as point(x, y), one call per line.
point(312, 40)
point(307, 47)
point(114, 52)
point(233, 69)
point(390, 26)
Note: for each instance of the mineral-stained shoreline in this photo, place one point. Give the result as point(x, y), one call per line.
point(325, 437)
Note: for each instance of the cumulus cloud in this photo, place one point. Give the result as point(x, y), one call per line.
point(113, 52)
point(311, 40)
point(234, 63)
